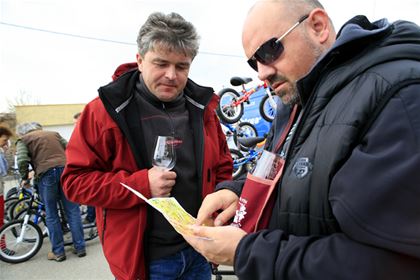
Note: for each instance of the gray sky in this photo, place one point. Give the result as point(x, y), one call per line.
point(56, 51)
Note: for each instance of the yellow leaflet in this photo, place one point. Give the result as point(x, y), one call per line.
point(171, 210)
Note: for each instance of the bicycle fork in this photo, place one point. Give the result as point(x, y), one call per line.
point(22, 232)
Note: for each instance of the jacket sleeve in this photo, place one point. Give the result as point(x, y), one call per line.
point(23, 159)
point(63, 141)
point(374, 197)
point(98, 159)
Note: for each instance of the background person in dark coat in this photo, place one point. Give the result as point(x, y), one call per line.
point(45, 152)
point(347, 206)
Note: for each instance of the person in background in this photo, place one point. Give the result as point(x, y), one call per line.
point(90, 211)
point(5, 134)
point(113, 143)
point(45, 152)
point(347, 205)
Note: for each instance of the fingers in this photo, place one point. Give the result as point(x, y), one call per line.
point(210, 204)
point(216, 244)
point(164, 191)
point(225, 215)
point(224, 200)
point(161, 182)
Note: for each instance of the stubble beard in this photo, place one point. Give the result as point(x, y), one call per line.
point(290, 96)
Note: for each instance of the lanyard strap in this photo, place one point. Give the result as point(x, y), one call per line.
point(285, 132)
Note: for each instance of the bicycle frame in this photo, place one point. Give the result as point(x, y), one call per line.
point(247, 93)
point(248, 158)
point(231, 103)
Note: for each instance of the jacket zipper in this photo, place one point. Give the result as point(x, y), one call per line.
point(170, 120)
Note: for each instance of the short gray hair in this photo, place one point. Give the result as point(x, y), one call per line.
point(25, 128)
point(171, 32)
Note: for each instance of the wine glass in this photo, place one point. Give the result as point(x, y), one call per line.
point(164, 152)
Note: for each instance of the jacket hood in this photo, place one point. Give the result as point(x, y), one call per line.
point(352, 51)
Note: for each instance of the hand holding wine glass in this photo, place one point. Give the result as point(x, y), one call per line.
point(161, 179)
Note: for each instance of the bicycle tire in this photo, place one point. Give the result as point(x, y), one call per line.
point(17, 207)
point(244, 129)
point(267, 112)
point(14, 251)
point(89, 232)
point(239, 170)
point(7, 204)
point(226, 112)
point(13, 192)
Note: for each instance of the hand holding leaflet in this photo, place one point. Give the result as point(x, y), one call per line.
point(176, 215)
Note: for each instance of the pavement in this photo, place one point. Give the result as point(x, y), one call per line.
point(91, 267)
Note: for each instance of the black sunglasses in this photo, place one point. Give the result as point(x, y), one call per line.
point(271, 49)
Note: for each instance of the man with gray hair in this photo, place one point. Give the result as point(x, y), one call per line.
point(44, 151)
point(113, 143)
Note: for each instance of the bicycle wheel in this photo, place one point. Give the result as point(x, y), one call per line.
point(19, 241)
point(89, 232)
point(267, 111)
point(32, 216)
point(238, 167)
point(244, 129)
point(17, 207)
point(11, 192)
point(7, 204)
point(226, 110)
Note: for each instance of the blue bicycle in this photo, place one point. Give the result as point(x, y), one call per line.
point(245, 162)
point(22, 237)
point(233, 132)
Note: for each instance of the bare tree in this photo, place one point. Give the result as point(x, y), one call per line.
point(22, 98)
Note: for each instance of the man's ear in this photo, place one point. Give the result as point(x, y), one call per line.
point(320, 25)
point(139, 60)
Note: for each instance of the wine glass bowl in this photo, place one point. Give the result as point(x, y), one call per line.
point(164, 152)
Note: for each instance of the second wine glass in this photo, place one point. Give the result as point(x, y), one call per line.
point(164, 152)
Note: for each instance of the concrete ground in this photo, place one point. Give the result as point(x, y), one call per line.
point(91, 267)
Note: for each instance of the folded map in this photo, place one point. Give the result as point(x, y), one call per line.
point(170, 208)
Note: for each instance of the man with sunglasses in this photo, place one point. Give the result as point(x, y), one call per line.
point(346, 206)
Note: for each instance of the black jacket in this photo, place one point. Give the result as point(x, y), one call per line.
point(348, 203)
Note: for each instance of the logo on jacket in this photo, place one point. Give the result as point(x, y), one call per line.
point(302, 167)
point(240, 213)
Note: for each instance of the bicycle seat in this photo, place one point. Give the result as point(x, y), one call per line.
point(250, 141)
point(238, 81)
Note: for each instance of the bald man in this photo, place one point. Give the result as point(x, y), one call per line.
point(346, 206)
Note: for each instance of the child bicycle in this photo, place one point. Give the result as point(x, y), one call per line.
point(235, 131)
point(22, 238)
point(244, 162)
point(231, 104)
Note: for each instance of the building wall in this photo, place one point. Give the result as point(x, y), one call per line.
point(48, 115)
point(54, 117)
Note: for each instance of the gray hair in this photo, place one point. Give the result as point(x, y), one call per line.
point(171, 32)
point(25, 128)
